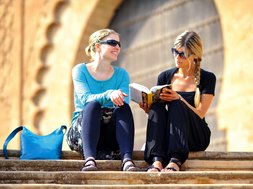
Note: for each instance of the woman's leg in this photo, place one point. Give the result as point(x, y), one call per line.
point(186, 131)
point(177, 131)
point(199, 133)
point(155, 136)
point(91, 128)
point(123, 118)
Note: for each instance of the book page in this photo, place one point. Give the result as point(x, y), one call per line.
point(156, 90)
point(158, 87)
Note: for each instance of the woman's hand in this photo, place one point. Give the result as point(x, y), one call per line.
point(117, 97)
point(201, 110)
point(169, 95)
point(144, 106)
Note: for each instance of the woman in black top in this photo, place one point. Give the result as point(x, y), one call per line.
point(178, 125)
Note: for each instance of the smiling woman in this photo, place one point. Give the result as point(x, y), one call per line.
point(102, 122)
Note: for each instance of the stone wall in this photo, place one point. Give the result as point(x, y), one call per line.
point(42, 40)
point(236, 100)
point(10, 66)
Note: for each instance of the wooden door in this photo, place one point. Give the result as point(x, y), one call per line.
point(148, 29)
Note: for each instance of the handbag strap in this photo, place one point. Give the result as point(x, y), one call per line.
point(64, 128)
point(8, 139)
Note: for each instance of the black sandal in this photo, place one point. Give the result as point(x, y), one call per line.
point(130, 167)
point(91, 166)
point(177, 162)
point(153, 167)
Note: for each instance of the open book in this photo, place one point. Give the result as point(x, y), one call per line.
point(140, 93)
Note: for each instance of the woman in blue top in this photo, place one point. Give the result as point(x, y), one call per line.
point(102, 119)
point(178, 125)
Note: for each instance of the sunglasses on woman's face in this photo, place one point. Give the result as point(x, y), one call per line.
point(175, 52)
point(111, 42)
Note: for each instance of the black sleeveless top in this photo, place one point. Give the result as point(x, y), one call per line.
point(206, 85)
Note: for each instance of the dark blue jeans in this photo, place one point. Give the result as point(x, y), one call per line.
point(118, 133)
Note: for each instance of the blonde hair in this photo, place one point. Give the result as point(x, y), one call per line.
point(192, 44)
point(94, 38)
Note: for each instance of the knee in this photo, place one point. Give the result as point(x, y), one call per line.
point(124, 111)
point(93, 105)
point(124, 108)
point(176, 104)
point(157, 108)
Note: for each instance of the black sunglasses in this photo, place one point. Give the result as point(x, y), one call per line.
point(111, 42)
point(175, 52)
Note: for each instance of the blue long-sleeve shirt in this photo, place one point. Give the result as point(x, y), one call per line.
point(87, 89)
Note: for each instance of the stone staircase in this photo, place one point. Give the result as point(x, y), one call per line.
point(201, 170)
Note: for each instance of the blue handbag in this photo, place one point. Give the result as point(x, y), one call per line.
point(34, 146)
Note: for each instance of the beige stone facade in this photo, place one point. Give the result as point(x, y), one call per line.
point(236, 102)
point(42, 40)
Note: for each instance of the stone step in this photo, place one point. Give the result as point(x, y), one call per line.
point(115, 165)
point(135, 186)
point(202, 170)
point(138, 155)
point(71, 161)
point(125, 178)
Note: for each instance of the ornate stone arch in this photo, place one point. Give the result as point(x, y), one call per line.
point(61, 35)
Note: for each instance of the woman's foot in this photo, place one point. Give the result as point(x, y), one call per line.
point(171, 167)
point(89, 165)
point(155, 167)
point(174, 165)
point(128, 165)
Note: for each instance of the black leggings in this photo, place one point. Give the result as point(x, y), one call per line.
point(173, 130)
point(119, 133)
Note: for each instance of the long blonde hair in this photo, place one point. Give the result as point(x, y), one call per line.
point(192, 44)
point(94, 38)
